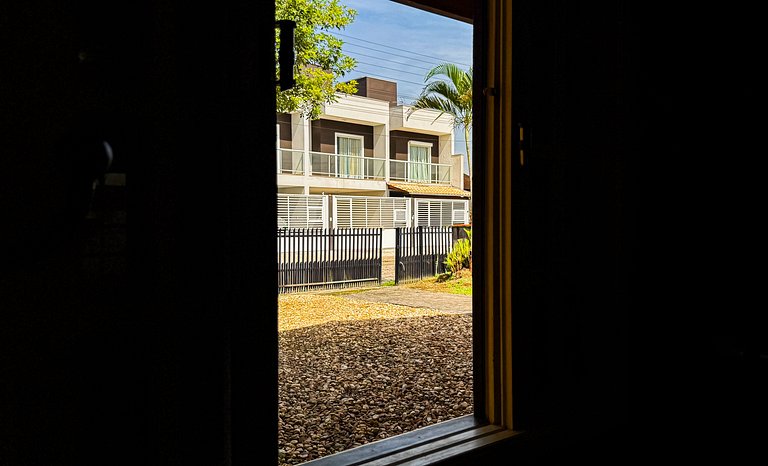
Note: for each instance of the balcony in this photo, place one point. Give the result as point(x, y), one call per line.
point(347, 166)
point(419, 172)
point(291, 162)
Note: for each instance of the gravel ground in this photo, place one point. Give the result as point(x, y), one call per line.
point(353, 372)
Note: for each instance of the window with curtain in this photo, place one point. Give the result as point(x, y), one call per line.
point(418, 162)
point(350, 153)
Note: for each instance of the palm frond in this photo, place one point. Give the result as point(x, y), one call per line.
point(442, 89)
point(449, 70)
point(432, 103)
point(452, 95)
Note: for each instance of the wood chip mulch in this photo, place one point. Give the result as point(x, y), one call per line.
point(353, 372)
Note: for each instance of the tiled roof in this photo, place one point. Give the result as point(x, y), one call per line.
point(428, 189)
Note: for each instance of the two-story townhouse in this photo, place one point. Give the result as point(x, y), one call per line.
point(366, 162)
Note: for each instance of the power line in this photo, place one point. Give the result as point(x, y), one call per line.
point(387, 68)
point(395, 48)
point(376, 75)
point(393, 61)
point(390, 53)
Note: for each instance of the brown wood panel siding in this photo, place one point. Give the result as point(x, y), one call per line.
point(398, 144)
point(324, 132)
point(362, 87)
point(286, 132)
point(377, 89)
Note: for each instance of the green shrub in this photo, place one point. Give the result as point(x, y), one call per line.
point(459, 256)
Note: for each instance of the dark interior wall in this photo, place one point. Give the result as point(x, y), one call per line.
point(709, 343)
point(68, 323)
point(572, 236)
point(102, 370)
point(398, 144)
point(141, 365)
point(286, 131)
point(133, 366)
point(634, 223)
point(570, 220)
point(573, 229)
point(324, 135)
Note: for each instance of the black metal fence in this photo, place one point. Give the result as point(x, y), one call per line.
point(317, 258)
point(420, 252)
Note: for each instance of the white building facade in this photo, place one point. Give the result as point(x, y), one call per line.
point(366, 163)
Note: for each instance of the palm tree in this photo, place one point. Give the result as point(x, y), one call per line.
point(452, 95)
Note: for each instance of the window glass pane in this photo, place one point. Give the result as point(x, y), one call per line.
point(350, 150)
point(355, 366)
point(419, 162)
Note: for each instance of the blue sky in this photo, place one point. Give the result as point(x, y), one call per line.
point(400, 43)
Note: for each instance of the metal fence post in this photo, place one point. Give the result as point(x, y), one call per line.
point(381, 252)
point(398, 232)
point(421, 251)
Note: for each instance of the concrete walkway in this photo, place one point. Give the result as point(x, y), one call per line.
point(446, 302)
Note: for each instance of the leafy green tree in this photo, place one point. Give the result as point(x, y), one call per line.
point(319, 58)
point(452, 95)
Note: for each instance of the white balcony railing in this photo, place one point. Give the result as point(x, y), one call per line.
point(419, 172)
point(290, 162)
point(362, 168)
point(346, 166)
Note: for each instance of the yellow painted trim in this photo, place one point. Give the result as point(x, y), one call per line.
point(501, 139)
point(490, 244)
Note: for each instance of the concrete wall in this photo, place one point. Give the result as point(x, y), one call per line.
point(457, 171)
